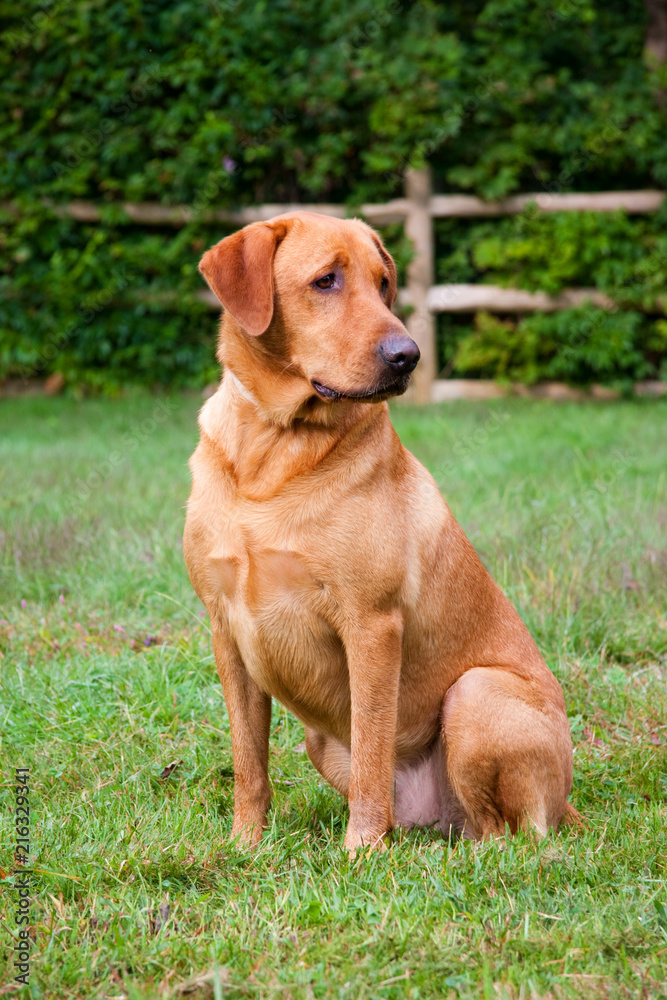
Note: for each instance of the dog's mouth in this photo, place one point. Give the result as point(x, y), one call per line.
point(374, 395)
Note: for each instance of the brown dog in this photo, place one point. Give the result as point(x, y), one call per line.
point(334, 574)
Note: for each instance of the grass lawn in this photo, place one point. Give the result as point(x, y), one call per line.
point(107, 679)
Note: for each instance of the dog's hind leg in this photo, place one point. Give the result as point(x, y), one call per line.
point(331, 758)
point(507, 754)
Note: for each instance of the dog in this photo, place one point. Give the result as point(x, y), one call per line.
point(334, 574)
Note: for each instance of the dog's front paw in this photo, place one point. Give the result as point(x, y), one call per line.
point(247, 834)
point(357, 840)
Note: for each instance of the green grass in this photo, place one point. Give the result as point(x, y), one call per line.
point(107, 677)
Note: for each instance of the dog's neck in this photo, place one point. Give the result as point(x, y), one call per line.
point(263, 455)
point(239, 386)
point(265, 421)
point(272, 382)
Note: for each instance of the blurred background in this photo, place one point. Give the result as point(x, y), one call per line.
point(210, 106)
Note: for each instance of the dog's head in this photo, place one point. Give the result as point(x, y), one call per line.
point(317, 293)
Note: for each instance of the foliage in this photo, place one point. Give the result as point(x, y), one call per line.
point(555, 97)
point(107, 678)
point(299, 100)
point(580, 346)
point(621, 256)
point(233, 102)
point(106, 305)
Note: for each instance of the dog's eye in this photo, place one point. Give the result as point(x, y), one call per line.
point(328, 281)
point(384, 285)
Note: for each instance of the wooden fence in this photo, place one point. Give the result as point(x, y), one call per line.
point(417, 210)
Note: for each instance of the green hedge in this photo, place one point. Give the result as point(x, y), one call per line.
point(624, 257)
point(581, 346)
point(235, 102)
point(107, 305)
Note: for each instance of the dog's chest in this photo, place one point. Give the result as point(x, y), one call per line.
point(276, 607)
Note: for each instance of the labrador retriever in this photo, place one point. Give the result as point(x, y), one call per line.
point(335, 576)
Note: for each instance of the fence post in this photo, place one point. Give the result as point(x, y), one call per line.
point(421, 321)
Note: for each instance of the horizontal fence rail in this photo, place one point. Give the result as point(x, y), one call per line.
point(440, 206)
point(491, 298)
point(416, 210)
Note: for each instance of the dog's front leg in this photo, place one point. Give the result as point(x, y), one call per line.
point(249, 712)
point(374, 664)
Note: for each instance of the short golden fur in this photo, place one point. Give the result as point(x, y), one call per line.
point(335, 576)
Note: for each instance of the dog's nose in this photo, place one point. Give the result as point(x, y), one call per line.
point(400, 353)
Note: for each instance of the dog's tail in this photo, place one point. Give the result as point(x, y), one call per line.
point(572, 818)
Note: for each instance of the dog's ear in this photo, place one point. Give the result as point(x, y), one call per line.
point(239, 269)
point(392, 290)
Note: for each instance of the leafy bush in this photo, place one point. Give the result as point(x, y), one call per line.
point(112, 304)
point(241, 101)
point(106, 305)
point(579, 346)
point(624, 257)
